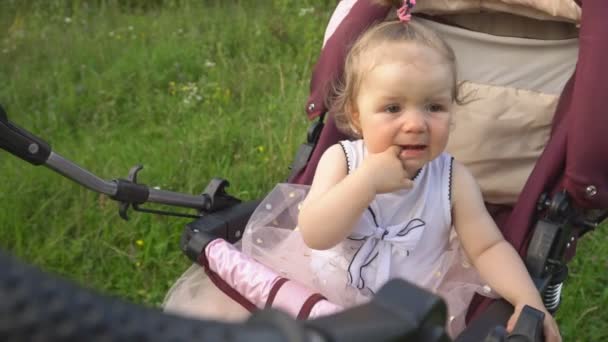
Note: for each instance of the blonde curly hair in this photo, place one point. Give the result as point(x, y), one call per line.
point(342, 103)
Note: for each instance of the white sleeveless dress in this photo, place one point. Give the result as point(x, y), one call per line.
point(405, 234)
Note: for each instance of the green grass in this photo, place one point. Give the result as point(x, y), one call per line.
point(192, 90)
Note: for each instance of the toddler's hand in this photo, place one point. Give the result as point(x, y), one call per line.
point(550, 328)
point(386, 171)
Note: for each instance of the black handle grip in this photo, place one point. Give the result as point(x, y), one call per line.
point(39, 307)
point(529, 326)
point(22, 143)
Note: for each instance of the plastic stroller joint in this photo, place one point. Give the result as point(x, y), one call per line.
point(554, 235)
point(228, 224)
point(217, 198)
point(128, 191)
point(132, 194)
point(198, 234)
point(22, 143)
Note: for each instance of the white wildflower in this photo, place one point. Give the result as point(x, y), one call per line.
point(305, 11)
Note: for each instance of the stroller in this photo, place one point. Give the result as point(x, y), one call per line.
point(555, 190)
point(547, 243)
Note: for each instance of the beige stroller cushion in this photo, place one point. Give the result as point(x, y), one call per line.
point(510, 97)
point(499, 139)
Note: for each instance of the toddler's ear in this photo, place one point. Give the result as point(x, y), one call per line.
point(354, 122)
point(356, 128)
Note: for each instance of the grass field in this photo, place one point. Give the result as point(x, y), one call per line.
point(192, 90)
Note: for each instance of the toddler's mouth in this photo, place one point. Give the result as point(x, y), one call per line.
point(412, 151)
point(413, 147)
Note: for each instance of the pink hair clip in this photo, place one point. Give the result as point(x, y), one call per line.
point(404, 12)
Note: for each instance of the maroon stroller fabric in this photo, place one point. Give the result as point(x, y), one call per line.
point(576, 156)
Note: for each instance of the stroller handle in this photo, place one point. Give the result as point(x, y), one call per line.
point(22, 143)
point(36, 151)
point(121, 190)
point(36, 306)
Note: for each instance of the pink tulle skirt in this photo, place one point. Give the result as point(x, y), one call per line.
point(272, 238)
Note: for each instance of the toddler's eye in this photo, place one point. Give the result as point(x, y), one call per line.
point(435, 107)
point(392, 109)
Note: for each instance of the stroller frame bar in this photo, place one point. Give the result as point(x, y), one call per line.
point(128, 192)
point(79, 175)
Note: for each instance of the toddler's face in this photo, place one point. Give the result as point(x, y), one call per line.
point(405, 99)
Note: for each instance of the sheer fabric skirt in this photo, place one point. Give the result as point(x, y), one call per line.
point(273, 239)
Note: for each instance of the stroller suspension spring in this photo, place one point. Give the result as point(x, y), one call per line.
point(552, 296)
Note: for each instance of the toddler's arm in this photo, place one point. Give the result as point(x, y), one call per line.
point(337, 199)
point(334, 203)
point(496, 260)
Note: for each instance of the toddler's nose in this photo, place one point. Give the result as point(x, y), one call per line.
point(413, 121)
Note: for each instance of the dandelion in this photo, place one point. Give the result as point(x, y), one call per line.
point(137, 264)
point(67, 20)
point(139, 243)
point(261, 149)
